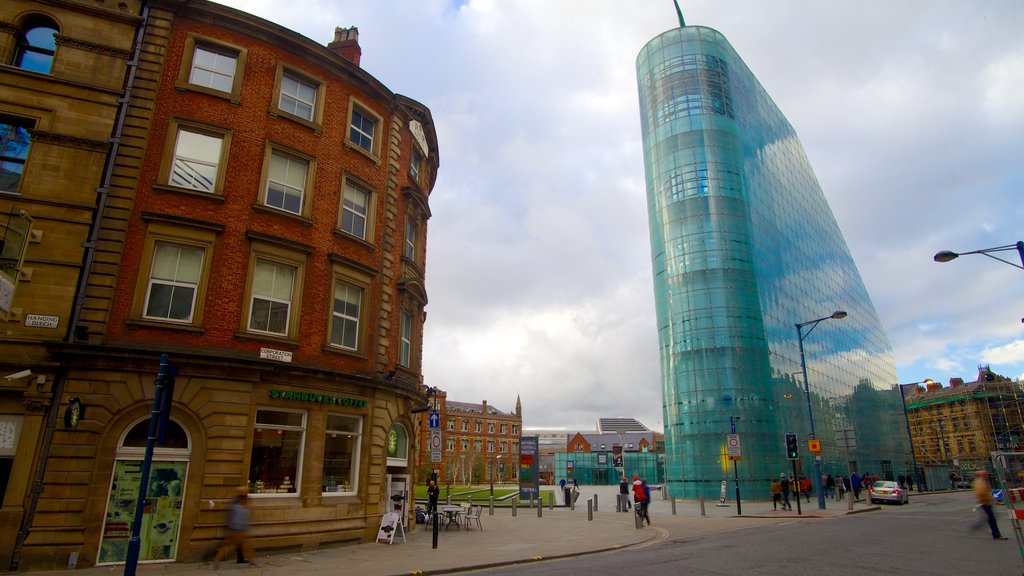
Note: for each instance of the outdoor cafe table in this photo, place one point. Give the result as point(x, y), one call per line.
point(451, 515)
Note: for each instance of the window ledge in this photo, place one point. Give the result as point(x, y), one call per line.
point(342, 235)
point(328, 349)
point(235, 99)
point(369, 155)
point(212, 196)
point(263, 208)
point(242, 335)
point(278, 113)
point(141, 323)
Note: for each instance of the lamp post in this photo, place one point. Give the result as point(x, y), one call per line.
point(838, 315)
point(947, 255)
point(910, 437)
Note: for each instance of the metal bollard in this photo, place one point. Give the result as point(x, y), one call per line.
point(849, 500)
point(551, 500)
point(618, 503)
point(673, 505)
point(491, 507)
point(590, 510)
point(702, 512)
point(514, 500)
point(540, 507)
point(531, 501)
point(595, 502)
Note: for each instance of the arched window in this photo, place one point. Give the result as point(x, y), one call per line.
point(36, 44)
point(398, 446)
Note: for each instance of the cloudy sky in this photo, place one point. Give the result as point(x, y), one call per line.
point(538, 267)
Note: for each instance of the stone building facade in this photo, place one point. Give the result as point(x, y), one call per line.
point(63, 65)
point(262, 228)
point(956, 428)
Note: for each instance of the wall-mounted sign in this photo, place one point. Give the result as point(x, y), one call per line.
point(276, 394)
point(74, 413)
point(41, 321)
point(278, 355)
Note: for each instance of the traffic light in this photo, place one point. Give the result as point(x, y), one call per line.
point(792, 451)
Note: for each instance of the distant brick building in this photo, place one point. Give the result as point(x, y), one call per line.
point(264, 226)
point(480, 443)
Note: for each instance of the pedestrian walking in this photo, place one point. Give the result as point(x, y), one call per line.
point(805, 487)
point(647, 500)
point(784, 484)
point(639, 500)
point(855, 485)
point(238, 531)
point(776, 489)
point(983, 496)
point(830, 486)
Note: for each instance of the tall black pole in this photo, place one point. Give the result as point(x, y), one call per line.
point(134, 543)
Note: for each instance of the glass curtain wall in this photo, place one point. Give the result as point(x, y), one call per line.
point(744, 247)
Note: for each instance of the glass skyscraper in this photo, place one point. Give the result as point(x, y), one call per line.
point(744, 247)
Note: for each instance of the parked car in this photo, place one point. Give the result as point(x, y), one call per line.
point(888, 491)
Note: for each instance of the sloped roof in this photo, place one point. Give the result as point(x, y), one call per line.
point(473, 408)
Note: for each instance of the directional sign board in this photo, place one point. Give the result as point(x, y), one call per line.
point(435, 445)
point(434, 421)
point(733, 443)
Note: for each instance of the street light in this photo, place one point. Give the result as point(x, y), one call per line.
point(910, 437)
point(838, 315)
point(947, 255)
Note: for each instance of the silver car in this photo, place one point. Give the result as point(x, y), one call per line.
point(888, 491)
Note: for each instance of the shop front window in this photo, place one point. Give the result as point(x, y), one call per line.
point(341, 454)
point(274, 465)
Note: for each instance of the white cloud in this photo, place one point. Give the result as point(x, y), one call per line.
point(538, 266)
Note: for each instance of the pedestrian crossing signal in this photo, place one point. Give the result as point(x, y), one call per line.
point(792, 450)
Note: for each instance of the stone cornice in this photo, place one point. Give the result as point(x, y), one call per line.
point(68, 141)
point(87, 46)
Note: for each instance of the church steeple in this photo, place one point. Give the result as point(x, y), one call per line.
point(519, 407)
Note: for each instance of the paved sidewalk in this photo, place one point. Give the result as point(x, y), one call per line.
point(505, 539)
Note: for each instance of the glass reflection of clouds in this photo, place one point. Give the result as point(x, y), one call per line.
point(743, 246)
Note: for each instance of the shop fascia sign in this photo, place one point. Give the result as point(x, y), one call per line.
point(300, 396)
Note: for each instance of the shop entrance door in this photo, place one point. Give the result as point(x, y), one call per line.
point(161, 516)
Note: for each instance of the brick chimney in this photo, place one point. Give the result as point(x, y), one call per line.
point(346, 44)
point(485, 407)
point(955, 382)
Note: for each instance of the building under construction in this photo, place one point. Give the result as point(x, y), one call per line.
point(955, 429)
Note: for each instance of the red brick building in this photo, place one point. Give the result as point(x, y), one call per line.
point(480, 444)
point(264, 227)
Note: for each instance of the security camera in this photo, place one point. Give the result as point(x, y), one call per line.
point(18, 375)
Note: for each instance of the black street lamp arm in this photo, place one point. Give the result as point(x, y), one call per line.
point(838, 314)
point(947, 255)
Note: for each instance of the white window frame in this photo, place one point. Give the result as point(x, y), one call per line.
point(174, 282)
point(187, 161)
point(347, 318)
point(213, 71)
point(297, 97)
point(271, 298)
point(287, 188)
point(356, 187)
